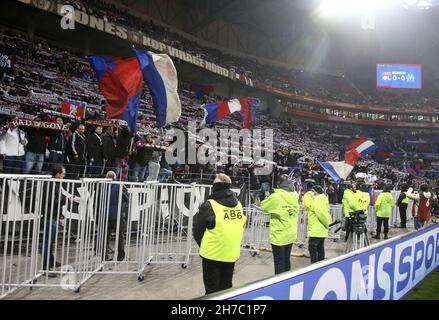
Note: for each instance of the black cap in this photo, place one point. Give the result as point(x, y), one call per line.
point(318, 189)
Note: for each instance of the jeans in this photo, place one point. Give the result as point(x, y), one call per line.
point(34, 159)
point(139, 172)
point(265, 189)
point(418, 223)
point(164, 174)
point(153, 171)
point(217, 275)
point(13, 164)
point(281, 256)
point(316, 248)
point(49, 239)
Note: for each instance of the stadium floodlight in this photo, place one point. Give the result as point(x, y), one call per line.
point(331, 8)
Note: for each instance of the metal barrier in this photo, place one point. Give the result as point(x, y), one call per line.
point(59, 233)
point(257, 228)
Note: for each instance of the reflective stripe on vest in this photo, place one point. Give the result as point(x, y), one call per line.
point(223, 243)
point(406, 199)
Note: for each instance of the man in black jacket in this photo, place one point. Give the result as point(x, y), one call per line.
point(57, 147)
point(402, 204)
point(94, 153)
point(52, 201)
point(109, 149)
point(35, 149)
point(218, 230)
point(77, 152)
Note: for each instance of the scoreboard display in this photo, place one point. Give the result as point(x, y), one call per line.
point(399, 76)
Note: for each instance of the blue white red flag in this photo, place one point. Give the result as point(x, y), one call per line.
point(245, 107)
point(120, 82)
point(160, 75)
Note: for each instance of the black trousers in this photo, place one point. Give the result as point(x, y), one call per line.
point(76, 168)
point(380, 221)
point(112, 227)
point(217, 275)
point(403, 214)
point(281, 256)
point(316, 248)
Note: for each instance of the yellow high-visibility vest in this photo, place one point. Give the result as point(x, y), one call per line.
point(223, 243)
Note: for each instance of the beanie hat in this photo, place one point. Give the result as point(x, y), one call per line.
point(222, 178)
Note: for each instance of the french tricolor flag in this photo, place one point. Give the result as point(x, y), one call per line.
point(340, 170)
point(363, 146)
point(218, 110)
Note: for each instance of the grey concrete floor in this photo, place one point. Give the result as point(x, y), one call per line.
point(171, 281)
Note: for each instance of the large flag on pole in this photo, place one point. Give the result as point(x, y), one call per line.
point(120, 82)
point(245, 107)
point(160, 75)
point(340, 170)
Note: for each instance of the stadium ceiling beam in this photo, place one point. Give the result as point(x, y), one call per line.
point(212, 16)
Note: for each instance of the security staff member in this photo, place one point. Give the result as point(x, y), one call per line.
point(218, 230)
point(383, 209)
point(319, 219)
point(362, 198)
point(283, 207)
point(349, 204)
point(307, 197)
point(402, 203)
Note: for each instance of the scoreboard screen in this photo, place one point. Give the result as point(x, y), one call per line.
point(399, 76)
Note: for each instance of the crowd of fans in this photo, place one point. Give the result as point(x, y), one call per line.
point(297, 81)
point(43, 76)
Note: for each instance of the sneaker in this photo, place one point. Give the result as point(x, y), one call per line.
point(376, 237)
point(386, 237)
point(58, 264)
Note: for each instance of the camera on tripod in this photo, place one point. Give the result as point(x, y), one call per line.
point(356, 231)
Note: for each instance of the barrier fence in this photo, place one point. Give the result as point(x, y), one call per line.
point(59, 233)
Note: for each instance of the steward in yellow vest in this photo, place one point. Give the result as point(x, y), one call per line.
point(383, 209)
point(218, 229)
point(319, 219)
point(283, 207)
point(402, 203)
point(348, 201)
point(362, 198)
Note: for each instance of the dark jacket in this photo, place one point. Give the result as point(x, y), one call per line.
point(52, 199)
point(77, 145)
point(205, 218)
point(402, 196)
point(114, 202)
point(94, 147)
point(108, 147)
point(332, 195)
point(36, 140)
point(123, 143)
point(57, 142)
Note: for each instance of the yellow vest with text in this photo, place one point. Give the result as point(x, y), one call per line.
point(283, 208)
point(223, 243)
point(319, 217)
point(383, 205)
point(362, 200)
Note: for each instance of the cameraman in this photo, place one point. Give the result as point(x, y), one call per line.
point(319, 220)
point(383, 209)
point(362, 197)
point(348, 201)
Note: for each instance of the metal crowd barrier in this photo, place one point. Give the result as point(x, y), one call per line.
point(257, 228)
point(59, 233)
